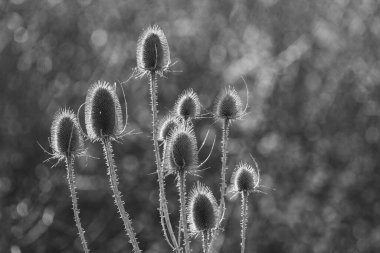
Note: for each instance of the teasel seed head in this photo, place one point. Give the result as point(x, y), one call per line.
point(182, 152)
point(245, 178)
point(228, 105)
point(167, 125)
point(103, 116)
point(66, 137)
point(153, 53)
point(188, 105)
point(202, 209)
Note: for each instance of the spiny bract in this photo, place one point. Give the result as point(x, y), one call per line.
point(188, 105)
point(202, 209)
point(228, 105)
point(103, 114)
point(153, 53)
point(167, 125)
point(245, 178)
point(66, 138)
point(182, 152)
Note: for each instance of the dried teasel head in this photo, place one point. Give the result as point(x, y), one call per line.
point(245, 178)
point(188, 105)
point(202, 209)
point(167, 125)
point(103, 116)
point(228, 105)
point(182, 152)
point(153, 53)
point(66, 137)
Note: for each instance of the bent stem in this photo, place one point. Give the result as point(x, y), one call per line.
point(182, 200)
point(71, 181)
point(107, 147)
point(163, 204)
point(244, 218)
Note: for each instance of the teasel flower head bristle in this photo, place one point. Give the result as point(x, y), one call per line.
point(166, 126)
point(202, 210)
point(103, 115)
point(66, 137)
point(153, 54)
point(228, 105)
point(188, 105)
point(182, 152)
point(245, 178)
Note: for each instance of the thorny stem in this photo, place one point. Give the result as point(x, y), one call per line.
point(163, 204)
point(107, 147)
point(223, 187)
point(71, 181)
point(244, 218)
point(204, 241)
point(224, 167)
point(182, 200)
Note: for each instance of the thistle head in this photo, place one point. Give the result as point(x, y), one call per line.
point(245, 178)
point(153, 53)
point(167, 125)
point(228, 105)
point(188, 105)
point(202, 209)
point(103, 114)
point(182, 152)
point(66, 137)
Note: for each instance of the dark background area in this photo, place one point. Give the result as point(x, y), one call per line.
point(312, 69)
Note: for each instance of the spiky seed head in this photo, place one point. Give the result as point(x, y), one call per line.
point(153, 50)
point(228, 105)
point(103, 114)
point(66, 138)
point(245, 178)
point(188, 105)
point(182, 152)
point(167, 125)
point(202, 209)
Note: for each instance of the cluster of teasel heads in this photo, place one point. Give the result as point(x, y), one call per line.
point(200, 214)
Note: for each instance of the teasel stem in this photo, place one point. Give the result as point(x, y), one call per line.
point(182, 199)
point(224, 167)
point(162, 215)
point(163, 204)
point(222, 207)
point(107, 147)
point(244, 218)
point(205, 241)
point(71, 181)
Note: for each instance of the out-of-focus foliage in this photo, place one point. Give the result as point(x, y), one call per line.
point(313, 73)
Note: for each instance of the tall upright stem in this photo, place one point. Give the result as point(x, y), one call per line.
point(182, 200)
point(162, 198)
point(224, 165)
point(205, 240)
point(214, 243)
point(71, 181)
point(244, 218)
point(107, 147)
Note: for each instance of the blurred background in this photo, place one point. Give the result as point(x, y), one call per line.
point(313, 73)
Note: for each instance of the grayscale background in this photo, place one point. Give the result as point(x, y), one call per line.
point(312, 69)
